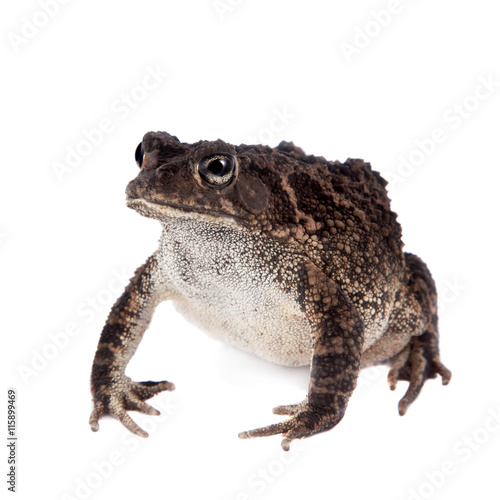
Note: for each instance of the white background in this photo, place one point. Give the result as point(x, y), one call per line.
point(269, 70)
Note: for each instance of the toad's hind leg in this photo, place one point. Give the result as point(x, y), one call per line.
point(416, 364)
point(419, 360)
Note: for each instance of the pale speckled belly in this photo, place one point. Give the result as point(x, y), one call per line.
point(233, 287)
point(277, 332)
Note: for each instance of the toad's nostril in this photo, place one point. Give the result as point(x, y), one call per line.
point(168, 169)
point(163, 171)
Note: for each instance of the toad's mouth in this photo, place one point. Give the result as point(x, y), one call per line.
point(167, 211)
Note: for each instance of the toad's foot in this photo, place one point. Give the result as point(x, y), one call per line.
point(306, 420)
point(416, 364)
point(120, 395)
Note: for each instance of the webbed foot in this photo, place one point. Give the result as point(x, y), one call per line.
point(119, 395)
point(416, 364)
point(306, 420)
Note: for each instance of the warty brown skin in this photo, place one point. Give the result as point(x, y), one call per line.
point(294, 258)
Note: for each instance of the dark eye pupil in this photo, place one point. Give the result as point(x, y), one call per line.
point(217, 170)
point(217, 167)
point(139, 155)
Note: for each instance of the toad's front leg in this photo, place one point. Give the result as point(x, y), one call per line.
point(337, 344)
point(113, 392)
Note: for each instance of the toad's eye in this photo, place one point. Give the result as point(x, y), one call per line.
point(139, 155)
point(217, 170)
